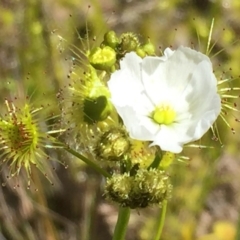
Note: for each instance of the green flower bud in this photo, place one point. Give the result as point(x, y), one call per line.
point(112, 145)
point(96, 109)
point(111, 39)
point(154, 185)
point(118, 187)
point(129, 42)
point(140, 52)
point(102, 58)
point(146, 188)
point(149, 48)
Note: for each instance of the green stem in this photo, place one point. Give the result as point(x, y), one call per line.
point(122, 223)
point(156, 161)
point(161, 221)
point(88, 162)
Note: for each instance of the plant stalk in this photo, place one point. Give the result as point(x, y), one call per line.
point(122, 223)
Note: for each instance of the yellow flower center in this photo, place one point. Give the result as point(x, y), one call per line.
point(164, 114)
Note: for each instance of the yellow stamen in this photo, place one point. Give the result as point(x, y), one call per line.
point(164, 114)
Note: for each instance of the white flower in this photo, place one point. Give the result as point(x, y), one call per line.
point(170, 100)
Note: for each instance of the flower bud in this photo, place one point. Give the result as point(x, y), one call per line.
point(112, 145)
point(140, 52)
point(149, 48)
point(111, 39)
point(154, 185)
point(129, 42)
point(118, 188)
point(102, 58)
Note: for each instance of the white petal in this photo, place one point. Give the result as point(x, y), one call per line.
point(170, 78)
point(200, 126)
point(193, 55)
point(168, 52)
point(139, 127)
point(125, 83)
point(170, 139)
point(122, 90)
point(205, 104)
point(131, 61)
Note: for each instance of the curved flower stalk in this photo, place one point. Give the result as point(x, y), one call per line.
point(22, 141)
point(170, 100)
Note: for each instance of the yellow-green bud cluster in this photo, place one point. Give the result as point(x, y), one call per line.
point(102, 58)
point(112, 145)
point(127, 42)
point(147, 49)
point(130, 42)
point(111, 39)
point(145, 188)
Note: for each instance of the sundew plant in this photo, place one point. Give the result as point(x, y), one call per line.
point(104, 122)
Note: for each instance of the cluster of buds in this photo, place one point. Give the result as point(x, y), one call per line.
point(128, 42)
point(144, 188)
point(113, 48)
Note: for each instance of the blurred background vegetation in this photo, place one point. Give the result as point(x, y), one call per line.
point(205, 202)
